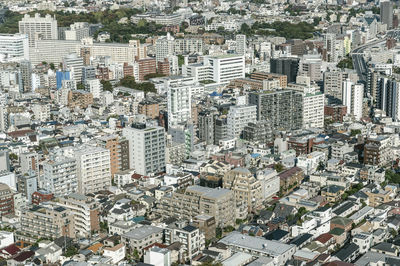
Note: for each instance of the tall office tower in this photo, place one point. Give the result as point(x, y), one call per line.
point(220, 130)
point(95, 87)
point(14, 47)
point(88, 72)
point(241, 44)
point(310, 66)
point(387, 13)
point(179, 104)
point(93, 167)
point(29, 162)
point(60, 175)
point(74, 64)
point(164, 47)
point(206, 126)
point(25, 68)
point(239, 117)
point(353, 95)
point(288, 66)
point(37, 27)
point(146, 148)
point(77, 31)
point(283, 108)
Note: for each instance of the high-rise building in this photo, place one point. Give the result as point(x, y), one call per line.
point(238, 117)
point(330, 45)
point(14, 47)
point(146, 148)
point(388, 97)
point(311, 67)
point(74, 64)
point(26, 75)
point(94, 86)
point(164, 47)
point(288, 66)
point(260, 131)
point(60, 176)
point(206, 121)
point(145, 66)
point(119, 152)
point(37, 27)
point(29, 162)
point(88, 72)
point(77, 31)
point(4, 160)
point(282, 108)
point(6, 200)
point(93, 168)
point(179, 104)
point(387, 13)
point(241, 44)
point(61, 76)
point(353, 95)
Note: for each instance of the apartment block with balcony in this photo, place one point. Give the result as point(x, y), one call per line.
point(60, 176)
point(196, 200)
point(47, 220)
point(85, 212)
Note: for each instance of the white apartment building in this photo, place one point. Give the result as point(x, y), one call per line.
point(77, 31)
point(52, 51)
point(164, 47)
point(29, 161)
point(14, 47)
point(220, 69)
point(241, 44)
point(60, 176)
point(41, 112)
point(188, 46)
point(75, 64)
point(179, 104)
point(146, 148)
point(239, 117)
point(313, 111)
point(352, 97)
point(38, 27)
point(93, 167)
point(94, 86)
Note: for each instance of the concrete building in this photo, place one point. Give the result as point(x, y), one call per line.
point(179, 104)
point(45, 221)
point(41, 112)
point(4, 160)
point(146, 148)
point(247, 188)
point(85, 212)
point(93, 168)
point(287, 66)
point(239, 117)
point(196, 200)
point(241, 44)
point(74, 64)
point(119, 152)
point(158, 256)
point(38, 27)
point(60, 176)
point(77, 31)
point(6, 200)
point(141, 237)
point(352, 98)
point(14, 47)
point(282, 108)
point(94, 86)
point(29, 162)
point(386, 12)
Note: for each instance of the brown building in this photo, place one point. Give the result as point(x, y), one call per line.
point(377, 151)
point(263, 75)
point(291, 179)
point(206, 224)
point(80, 98)
point(103, 73)
point(128, 70)
point(41, 196)
point(119, 152)
point(149, 108)
point(85, 54)
point(163, 67)
point(303, 145)
point(146, 66)
point(341, 223)
point(6, 200)
point(335, 112)
point(254, 84)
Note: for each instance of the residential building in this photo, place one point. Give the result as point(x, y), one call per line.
point(85, 212)
point(74, 64)
point(238, 118)
point(179, 104)
point(286, 66)
point(29, 162)
point(241, 44)
point(38, 27)
point(353, 95)
point(77, 31)
point(60, 176)
point(6, 200)
point(93, 169)
point(142, 237)
point(158, 256)
point(146, 148)
point(94, 86)
point(270, 76)
point(196, 200)
point(386, 12)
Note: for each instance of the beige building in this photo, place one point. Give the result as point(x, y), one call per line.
point(46, 221)
point(245, 185)
point(85, 212)
point(196, 200)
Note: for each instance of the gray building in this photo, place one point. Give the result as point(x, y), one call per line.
point(206, 126)
point(141, 237)
point(4, 160)
point(220, 130)
point(283, 108)
point(387, 13)
point(259, 131)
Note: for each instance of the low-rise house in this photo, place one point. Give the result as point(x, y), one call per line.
point(291, 179)
point(363, 240)
point(332, 193)
point(348, 253)
point(141, 237)
point(386, 248)
point(116, 253)
point(341, 222)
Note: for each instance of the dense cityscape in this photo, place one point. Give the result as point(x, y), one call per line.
point(209, 133)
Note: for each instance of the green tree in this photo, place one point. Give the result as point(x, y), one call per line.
point(106, 85)
point(80, 86)
point(355, 132)
point(346, 63)
point(13, 157)
point(52, 67)
point(278, 167)
point(181, 60)
point(245, 29)
point(71, 251)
